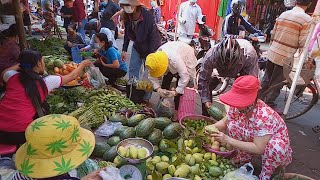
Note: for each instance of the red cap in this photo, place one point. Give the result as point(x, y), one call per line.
point(243, 93)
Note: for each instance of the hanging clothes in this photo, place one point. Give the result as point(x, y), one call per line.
point(222, 12)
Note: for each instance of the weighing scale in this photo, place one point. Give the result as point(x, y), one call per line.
point(134, 171)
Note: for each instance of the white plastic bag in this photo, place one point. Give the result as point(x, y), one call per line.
point(111, 173)
point(96, 78)
point(108, 128)
point(245, 172)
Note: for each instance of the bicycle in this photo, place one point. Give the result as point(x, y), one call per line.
point(306, 94)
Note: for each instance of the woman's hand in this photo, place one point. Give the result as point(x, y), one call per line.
point(85, 63)
point(221, 137)
point(93, 176)
point(123, 56)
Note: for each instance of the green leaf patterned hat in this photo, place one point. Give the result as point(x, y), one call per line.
point(55, 145)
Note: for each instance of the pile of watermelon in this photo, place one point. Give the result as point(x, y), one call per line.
point(138, 125)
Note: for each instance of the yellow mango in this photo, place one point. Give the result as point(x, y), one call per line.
point(122, 151)
point(133, 151)
point(142, 153)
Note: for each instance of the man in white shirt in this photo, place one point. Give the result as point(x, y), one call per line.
point(167, 63)
point(95, 26)
point(189, 13)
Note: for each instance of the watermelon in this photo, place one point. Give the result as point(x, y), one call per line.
point(130, 132)
point(145, 127)
point(216, 113)
point(113, 141)
point(100, 149)
point(162, 122)
point(135, 119)
point(119, 118)
point(110, 154)
point(58, 63)
point(119, 131)
point(155, 136)
point(50, 65)
point(172, 131)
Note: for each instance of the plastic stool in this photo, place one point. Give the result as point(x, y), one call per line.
point(187, 103)
point(7, 149)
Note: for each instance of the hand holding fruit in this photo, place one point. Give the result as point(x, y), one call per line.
point(207, 104)
point(221, 137)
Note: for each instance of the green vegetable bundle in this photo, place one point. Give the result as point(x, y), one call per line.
point(100, 104)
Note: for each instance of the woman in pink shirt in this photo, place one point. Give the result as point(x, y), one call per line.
point(25, 94)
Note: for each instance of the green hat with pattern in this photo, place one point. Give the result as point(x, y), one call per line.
point(55, 145)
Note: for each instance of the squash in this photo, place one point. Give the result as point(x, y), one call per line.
point(172, 131)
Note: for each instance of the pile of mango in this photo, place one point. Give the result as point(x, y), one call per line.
point(193, 164)
point(58, 67)
point(132, 152)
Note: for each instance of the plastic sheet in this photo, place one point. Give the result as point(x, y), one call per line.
point(108, 128)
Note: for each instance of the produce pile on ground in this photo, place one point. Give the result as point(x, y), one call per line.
point(64, 101)
point(138, 125)
point(185, 157)
point(49, 47)
point(58, 67)
point(121, 82)
point(101, 104)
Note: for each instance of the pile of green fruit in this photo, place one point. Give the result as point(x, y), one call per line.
point(191, 162)
point(195, 125)
point(132, 152)
point(138, 125)
point(121, 82)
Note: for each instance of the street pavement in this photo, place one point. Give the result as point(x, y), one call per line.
point(304, 141)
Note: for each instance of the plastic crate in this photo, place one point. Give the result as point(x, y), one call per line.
point(187, 103)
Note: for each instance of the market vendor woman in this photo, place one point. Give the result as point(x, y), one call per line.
point(109, 61)
point(25, 94)
point(253, 128)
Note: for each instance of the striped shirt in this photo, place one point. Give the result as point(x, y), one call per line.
point(288, 35)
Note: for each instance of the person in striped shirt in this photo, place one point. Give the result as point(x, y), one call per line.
point(287, 37)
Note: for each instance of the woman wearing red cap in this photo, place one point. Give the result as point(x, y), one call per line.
point(254, 128)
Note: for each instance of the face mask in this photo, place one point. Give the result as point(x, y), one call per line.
point(104, 3)
point(153, 4)
point(128, 9)
point(97, 46)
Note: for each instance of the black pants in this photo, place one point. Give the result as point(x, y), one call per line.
point(214, 82)
point(166, 82)
point(273, 76)
point(12, 138)
point(110, 73)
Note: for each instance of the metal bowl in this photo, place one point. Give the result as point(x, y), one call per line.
point(139, 143)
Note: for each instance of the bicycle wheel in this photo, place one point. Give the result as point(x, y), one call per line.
point(301, 102)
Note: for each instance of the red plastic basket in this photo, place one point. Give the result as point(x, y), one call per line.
point(187, 103)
